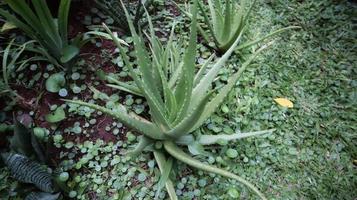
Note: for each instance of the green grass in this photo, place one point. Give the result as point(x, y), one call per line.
point(311, 154)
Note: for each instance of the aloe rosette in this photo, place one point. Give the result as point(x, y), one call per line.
point(225, 20)
point(180, 99)
point(50, 33)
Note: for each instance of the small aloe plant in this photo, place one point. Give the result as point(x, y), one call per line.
point(115, 10)
point(51, 33)
point(180, 100)
point(226, 21)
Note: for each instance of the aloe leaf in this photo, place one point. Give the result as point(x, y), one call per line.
point(195, 148)
point(185, 139)
point(218, 99)
point(106, 36)
point(98, 94)
point(4, 62)
point(156, 108)
point(143, 143)
point(176, 74)
point(63, 12)
point(184, 87)
point(132, 121)
point(160, 62)
point(7, 26)
point(246, 17)
point(27, 171)
point(40, 33)
point(18, 53)
point(212, 139)
point(203, 33)
point(165, 169)
point(21, 8)
point(127, 88)
point(226, 32)
point(180, 155)
point(212, 29)
point(48, 24)
point(207, 80)
point(157, 52)
point(27, 29)
point(170, 101)
point(202, 70)
point(238, 25)
point(188, 122)
point(143, 60)
point(249, 44)
point(219, 22)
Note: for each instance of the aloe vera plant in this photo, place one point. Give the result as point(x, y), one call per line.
point(115, 10)
point(51, 33)
point(226, 21)
point(180, 100)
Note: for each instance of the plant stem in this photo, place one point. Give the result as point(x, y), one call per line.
point(177, 153)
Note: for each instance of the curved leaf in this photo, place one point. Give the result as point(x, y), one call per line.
point(55, 82)
point(57, 116)
point(165, 167)
point(177, 153)
point(130, 120)
point(211, 139)
point(68, 53)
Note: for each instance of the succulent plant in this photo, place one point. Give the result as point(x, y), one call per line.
point(226, 20)
point(180, 100)
point(50, 33)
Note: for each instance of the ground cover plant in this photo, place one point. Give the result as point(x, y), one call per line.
point(301, 89)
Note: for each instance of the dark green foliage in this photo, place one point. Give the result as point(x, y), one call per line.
point(20, 141)
point(28, 171)
point(115, 10)
point(41, 196)
point(51, 33)
point(12, 61)
point(24, 164)
point(24, 142)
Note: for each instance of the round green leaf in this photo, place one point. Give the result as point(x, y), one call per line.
point(56, 116)
point(55, 82)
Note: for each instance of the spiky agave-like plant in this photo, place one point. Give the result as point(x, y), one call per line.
point(115, 10)
point(225, 21)
point(51, 33)
point(180, 100)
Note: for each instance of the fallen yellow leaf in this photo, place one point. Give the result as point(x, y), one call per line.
point(284, 102)
point(7, 26)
